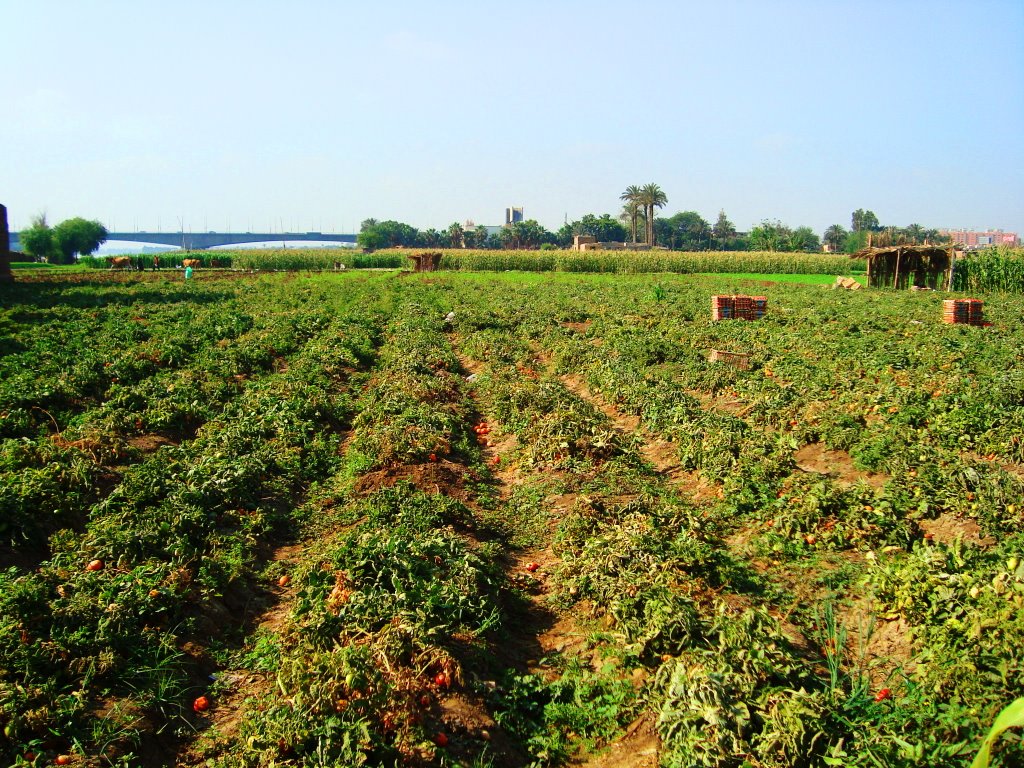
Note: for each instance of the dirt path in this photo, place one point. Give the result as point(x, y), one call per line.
point(221, 722)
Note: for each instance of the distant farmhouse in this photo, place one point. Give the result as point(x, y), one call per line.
point(965, 238)
point(589, 243)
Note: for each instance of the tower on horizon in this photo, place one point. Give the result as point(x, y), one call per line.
point(513, 215)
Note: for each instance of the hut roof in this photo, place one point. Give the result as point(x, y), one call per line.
point(923, 250)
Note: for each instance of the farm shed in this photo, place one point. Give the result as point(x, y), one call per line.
point(906, 266)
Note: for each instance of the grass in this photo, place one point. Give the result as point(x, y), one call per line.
point(792, 279)
point(40, 265)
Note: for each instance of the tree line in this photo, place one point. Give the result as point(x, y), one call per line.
point(60, 243)
point(637, 223)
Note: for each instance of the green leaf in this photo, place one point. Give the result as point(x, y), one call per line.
point(1011, 717)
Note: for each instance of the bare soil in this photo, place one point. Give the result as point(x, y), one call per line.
point(149, 443)
point(639, 747)
point(442, 477)
point(947, 528)
point(819, 459)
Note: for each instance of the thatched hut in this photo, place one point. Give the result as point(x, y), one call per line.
point(906, 266)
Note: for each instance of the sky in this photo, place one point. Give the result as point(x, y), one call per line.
point(314, 115)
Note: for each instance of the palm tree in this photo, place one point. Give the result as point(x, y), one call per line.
point(835, 236)
point(455, 235)
point(632, 207)
point(915, 232)
point(651, 197)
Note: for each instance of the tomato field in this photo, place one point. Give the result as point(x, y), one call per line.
point(505, 520)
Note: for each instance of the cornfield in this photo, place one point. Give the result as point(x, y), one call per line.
point(637, 262)
point(993, 269)
point(282, 259)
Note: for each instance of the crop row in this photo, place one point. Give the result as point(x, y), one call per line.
point(649, 366)
point(618, 262)
point(94, 638)
point(393, 601)
point(790, 613)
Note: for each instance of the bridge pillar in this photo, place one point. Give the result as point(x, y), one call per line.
point(6, 276)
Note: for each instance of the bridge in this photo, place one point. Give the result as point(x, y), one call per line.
point(198, 241)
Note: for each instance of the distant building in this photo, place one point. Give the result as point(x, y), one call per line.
point(513, 215)
point(966, 238)
point(472, 226)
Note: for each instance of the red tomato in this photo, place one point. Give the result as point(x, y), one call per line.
point(441, 739)
point(201, 704)
point(433, 457)
point(531, 567)
point(62, 759)
point(441, 679)
point(883, 694)
point(284, 580)
point(94, 565)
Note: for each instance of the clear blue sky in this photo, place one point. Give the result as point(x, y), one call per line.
point(316, 115)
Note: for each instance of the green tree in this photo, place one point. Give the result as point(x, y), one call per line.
point(724, 230)
point(524, 234)
point(370, 239)
point(864, 221)
point(477, 238)
point(803, 239)
point(855, 241)
point(651, 197)
point(632, 206)
point(77, 236)
point(932, 237)
point(770, 236)
point(914, 233)
point(430, 238)
point(37, 240)
point(456, 235)
point(686, 230)
point(835, 236)
point(396, 233)
point(603, 228)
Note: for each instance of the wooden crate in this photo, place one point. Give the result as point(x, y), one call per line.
point(740, 360)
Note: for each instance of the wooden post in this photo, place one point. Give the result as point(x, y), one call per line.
point(896, 275)
point(952, 261)
point(6, 276)
point(869, 270)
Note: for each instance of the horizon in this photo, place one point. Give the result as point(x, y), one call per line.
point(239, 117)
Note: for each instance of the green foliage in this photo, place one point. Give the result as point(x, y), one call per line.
point(386, 234)
point(864, 221)
point(685, 231)
point(78, 236)
point(708, 537)
point(990, 269)
point(638, 262)
point(37, 240)
point(776, 236)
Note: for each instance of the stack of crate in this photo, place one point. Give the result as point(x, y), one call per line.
point(963, 311)
point(760, 306)
point(739, 307)
point(722, 308)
